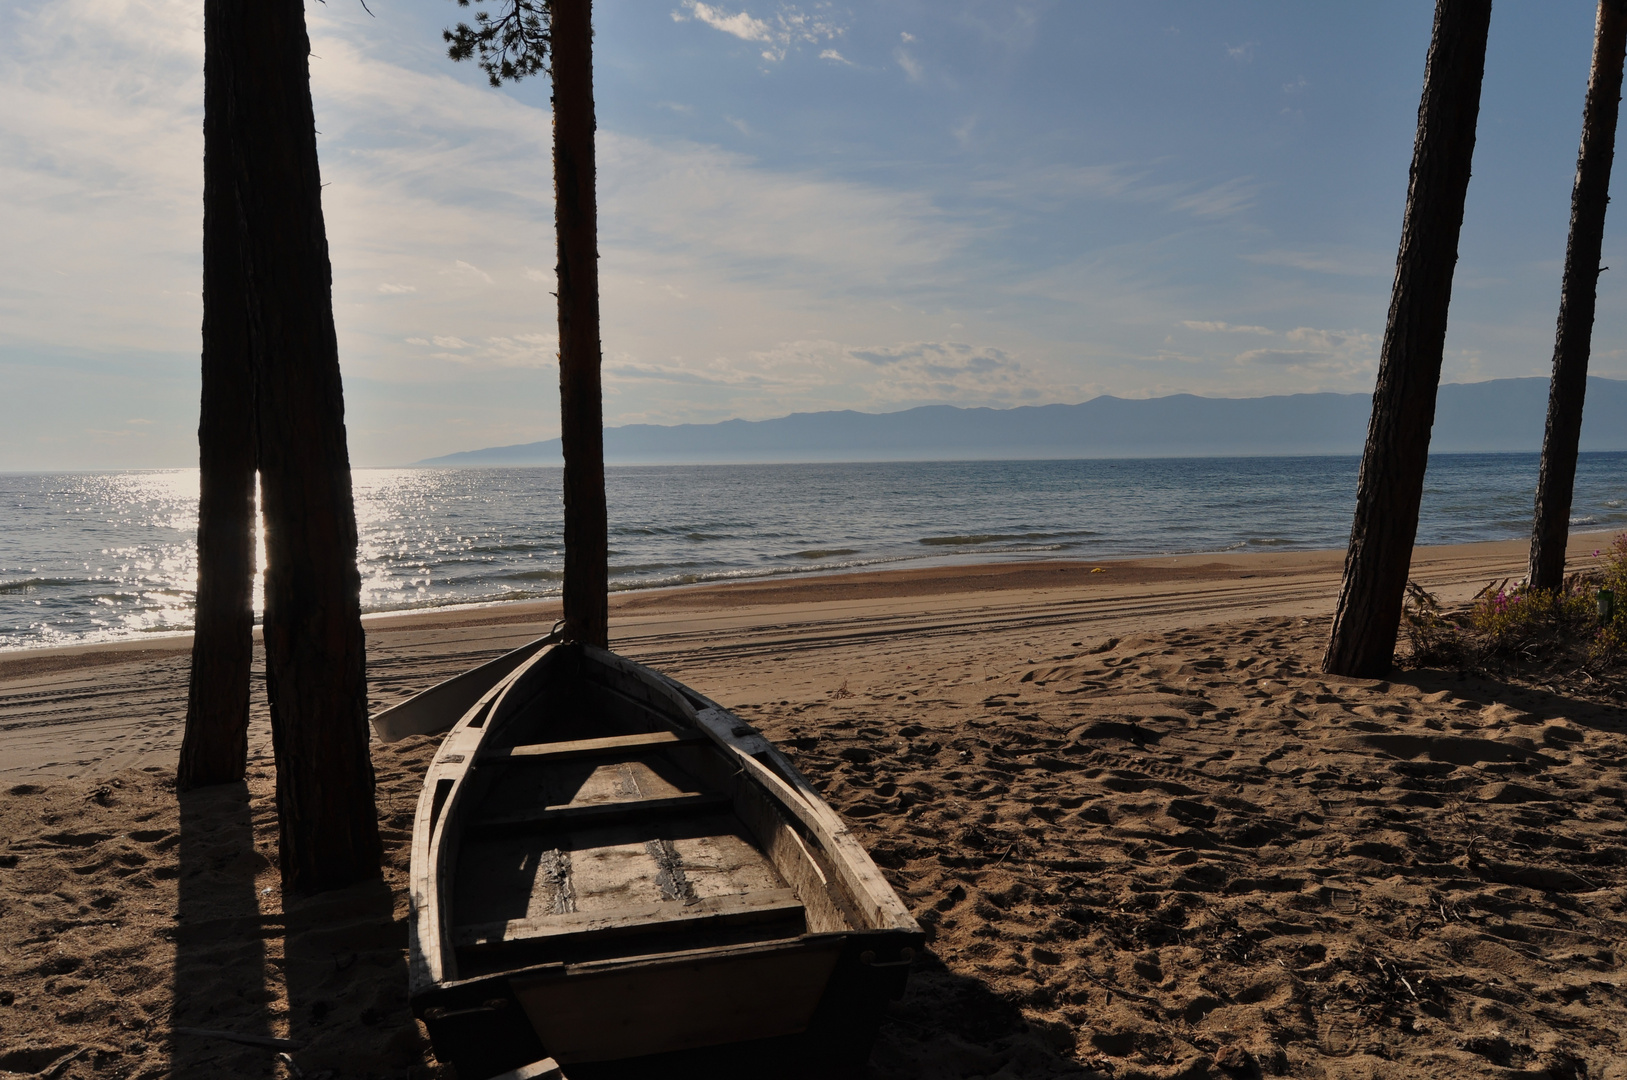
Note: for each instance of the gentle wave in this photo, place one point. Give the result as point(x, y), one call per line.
point(532, 575)
point(28, 585)
point(997, 538)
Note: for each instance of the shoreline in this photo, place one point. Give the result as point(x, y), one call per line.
point(77, 710)
point(890, 581)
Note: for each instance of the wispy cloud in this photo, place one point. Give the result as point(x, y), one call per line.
point(1225, 328)
point(468, 272)
point(517, 351)
point(1336, 353)
point(1052, 186)
point(779, 33)
point(1219, 200)
point(912, 67)
point(1352, 263)
point(820, 373)
point(100, 143)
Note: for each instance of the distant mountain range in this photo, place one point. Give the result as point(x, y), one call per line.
point(1501, 415)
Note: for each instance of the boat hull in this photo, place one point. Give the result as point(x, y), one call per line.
point(763, 939)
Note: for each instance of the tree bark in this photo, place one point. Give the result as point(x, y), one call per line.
point(1392, 471)
point(1573, 340)
point(214, 748)
point(581, 407)
point(315, 649)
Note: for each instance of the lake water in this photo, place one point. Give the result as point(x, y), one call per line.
point(100, 556)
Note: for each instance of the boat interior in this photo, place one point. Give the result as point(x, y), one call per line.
point(601, 821)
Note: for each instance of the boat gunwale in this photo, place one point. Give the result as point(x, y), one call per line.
point(430, 931)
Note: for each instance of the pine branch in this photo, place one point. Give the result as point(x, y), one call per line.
point(507, 47)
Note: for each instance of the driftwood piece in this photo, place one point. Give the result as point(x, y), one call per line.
point(267, 1041)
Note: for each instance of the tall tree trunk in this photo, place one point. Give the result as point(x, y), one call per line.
point(581, 407)
point(1550, 528)
point(1392, 469)
point(215, 747)
point(315, 650)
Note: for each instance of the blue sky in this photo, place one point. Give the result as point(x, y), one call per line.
point(803, 206)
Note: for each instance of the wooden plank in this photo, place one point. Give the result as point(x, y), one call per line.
point(792, 860)
point(624, 712)
point(765, 906)
point(873, 899)
point(610, 1010)
point(581, 748)
point(638, 682)
point(263, 1041)
point(436, 839)
point(599, 814)
point(443, 704)
point(546, 1069)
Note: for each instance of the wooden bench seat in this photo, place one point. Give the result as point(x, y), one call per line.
point(588, 748)
point(600, 814)
point(767, 906)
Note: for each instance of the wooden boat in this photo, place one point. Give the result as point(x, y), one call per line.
point(609, 868)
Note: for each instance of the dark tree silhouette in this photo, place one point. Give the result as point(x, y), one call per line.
point(315, 649)
point(215, 745)
point(1573, 340)
point(522, 40)
point(1392, 471)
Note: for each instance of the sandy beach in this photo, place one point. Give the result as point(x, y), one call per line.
point(1146, 836)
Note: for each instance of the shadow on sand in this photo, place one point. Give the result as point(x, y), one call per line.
point(220, 938)
point(346, 980)
point(342, 998)
point(950, 1025)
point(1540, 702)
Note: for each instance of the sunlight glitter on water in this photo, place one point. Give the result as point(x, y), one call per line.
point(88, 557)
point(101, 556)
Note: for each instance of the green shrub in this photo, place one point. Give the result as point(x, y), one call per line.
point(1610, 643)
point(1531, 622)
point(1527, 624)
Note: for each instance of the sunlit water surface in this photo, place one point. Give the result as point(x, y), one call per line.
point(99, 556)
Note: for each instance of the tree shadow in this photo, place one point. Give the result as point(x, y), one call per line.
point(1542, 703)
point(220, 938)
point(952, 1025)
point(345, 975)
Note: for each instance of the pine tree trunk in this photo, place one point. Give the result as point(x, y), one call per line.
point(215, 746)
point(581, 408)
point(1550, 529)
point(315, 650)
point(1392, 471)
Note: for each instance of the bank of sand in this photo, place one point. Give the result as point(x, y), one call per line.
point(1146, 837)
